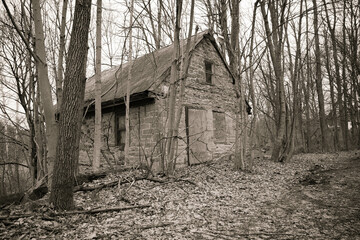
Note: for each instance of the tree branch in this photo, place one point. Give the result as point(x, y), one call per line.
point(20, 34)
point(13, 163)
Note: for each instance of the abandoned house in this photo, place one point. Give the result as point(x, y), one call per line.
point(207, 125)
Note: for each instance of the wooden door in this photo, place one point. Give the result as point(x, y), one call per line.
point(196, 136)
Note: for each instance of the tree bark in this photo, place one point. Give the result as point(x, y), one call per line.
point(240, 129)
point(67, 153)
point(45, 88)
point(127, 111)
point(332, 95)
point(295, 82)
point(184, 73)
point(172, 92)
point(275, 46)
point(97, 134)
point(252, 136)
point(318, 81)
point(60, 68)
point(345, 107)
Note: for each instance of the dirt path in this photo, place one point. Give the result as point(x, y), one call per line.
point(325, 204)
point(315, 196)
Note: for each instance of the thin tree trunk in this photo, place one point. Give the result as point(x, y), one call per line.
point(158, 42)
point(332, 95)
point(97, 134)
point(60, 68)
point(127, 114)
point(67, 155)
point(274, 43)
point(45, 89)
point(306, 87)
point(172, 92)
point(354, 44)
point(184, 72)
point(252, 137)
point(346, 132)
point(295, 82)
point(35, 144)
point(318, 81)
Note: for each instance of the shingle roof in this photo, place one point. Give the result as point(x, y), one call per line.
point(145, 71)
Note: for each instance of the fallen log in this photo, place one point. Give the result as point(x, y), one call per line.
point(117, 182)
point(84, 178)
point(41, 189)
point(99, 210)
point(65, 213)
point(105, 185)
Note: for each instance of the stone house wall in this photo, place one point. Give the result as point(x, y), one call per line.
point(215, 102)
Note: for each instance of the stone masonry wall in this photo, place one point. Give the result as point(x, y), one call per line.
point(144, 134)
point(147, 122)
point(218, 96)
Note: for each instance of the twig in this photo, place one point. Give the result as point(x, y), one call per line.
point(235, 234)
point(171, 180)
point(153, 226)
point(99, 210)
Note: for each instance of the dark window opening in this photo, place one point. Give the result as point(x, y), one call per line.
point(120, 132)
point(219, 127)
point(208, 72)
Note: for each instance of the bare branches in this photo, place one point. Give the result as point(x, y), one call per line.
point(20, 33)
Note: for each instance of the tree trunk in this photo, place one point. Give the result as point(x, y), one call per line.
point(306, 87)
point(172, 92)
point(71, 110)
point(318, 81)
point(332, 95)
point(274, 43)
point(240, 131)
point(295, 82)
point(184, 73)
point(127, 113)
point(346, 120)
point(158, 38)
point(252, 136)
point(45, 88)
point(60, 68)
point(97, 134)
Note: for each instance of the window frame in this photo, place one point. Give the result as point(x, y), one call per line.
point(209, 74)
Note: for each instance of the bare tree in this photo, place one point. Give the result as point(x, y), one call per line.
point(275, 42)
point(71, 110)
point(318, 81)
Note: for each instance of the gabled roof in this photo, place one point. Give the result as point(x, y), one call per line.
point(146, 70)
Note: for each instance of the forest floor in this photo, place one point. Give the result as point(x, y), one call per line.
point(314, 196)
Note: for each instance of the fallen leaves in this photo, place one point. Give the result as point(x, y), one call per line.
point(211, 201)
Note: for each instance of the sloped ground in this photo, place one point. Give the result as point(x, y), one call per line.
point(315, 196)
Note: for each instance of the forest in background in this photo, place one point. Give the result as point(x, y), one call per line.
point(296, 62)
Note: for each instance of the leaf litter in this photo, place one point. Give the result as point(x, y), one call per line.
point(314, 196)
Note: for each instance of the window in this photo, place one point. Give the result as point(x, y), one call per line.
point(208, 72)
point(120, 131)
point(219, 127)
